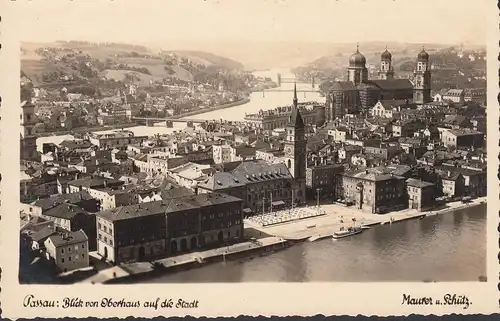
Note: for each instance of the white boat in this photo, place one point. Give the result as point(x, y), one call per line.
point(347, 232)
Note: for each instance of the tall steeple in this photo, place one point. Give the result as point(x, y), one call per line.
point(295, 100)
point(295, 120)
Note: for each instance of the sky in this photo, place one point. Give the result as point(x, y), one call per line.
point(169, 21)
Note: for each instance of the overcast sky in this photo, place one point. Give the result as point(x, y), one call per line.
point(166, 21)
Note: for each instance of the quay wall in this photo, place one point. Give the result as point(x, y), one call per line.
point(207, 110)
point(192, 264)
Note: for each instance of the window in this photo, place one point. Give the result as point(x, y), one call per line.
point(69, 249)
point(83, 256)
point(100, 226)
point(62, 260)
point(83, 246)
point(69, 258)
point(62, 251)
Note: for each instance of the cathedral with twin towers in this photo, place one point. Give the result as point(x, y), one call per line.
point(359, 93)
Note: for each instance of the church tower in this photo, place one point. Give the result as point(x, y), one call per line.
point(422, 79)
point(295, 150)
point(28, 139)
point(386, 71)
point(357, 72)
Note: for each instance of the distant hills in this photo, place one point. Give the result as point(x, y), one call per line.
point(46, 63)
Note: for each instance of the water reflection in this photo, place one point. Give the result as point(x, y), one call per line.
point(439, 248)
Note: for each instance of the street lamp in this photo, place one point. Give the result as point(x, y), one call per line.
point(317, 197)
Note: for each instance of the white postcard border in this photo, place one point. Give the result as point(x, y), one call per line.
point(281, 299)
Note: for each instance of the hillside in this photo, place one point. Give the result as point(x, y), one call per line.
point(82, 62)
point(208, 59)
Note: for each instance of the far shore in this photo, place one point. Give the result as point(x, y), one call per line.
point(82, 130)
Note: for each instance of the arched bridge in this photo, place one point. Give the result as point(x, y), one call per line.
point(281, 80)
point(149, 121)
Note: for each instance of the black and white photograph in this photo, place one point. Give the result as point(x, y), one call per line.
point(165, 162)
point(252, 142)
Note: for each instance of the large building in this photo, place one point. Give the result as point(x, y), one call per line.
point(378, 190)
point(359, 93)
point(279, 117)
point(155, 229)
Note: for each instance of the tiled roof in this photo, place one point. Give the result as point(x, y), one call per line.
point(68, 238)
point(393, 84)
point(221, 180)
point(342, 86)
point(72, 198)
point(373, 174)
point(65, 211)
point(167, 206)
point(44, 233)
point(417, 183)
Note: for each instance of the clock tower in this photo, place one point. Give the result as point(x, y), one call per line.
point(295, 150)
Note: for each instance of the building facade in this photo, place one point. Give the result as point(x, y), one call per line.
point(69, 250)
point(375, 191)
point(421, 195)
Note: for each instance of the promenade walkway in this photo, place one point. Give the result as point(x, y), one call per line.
point(337, 216)
point(285, 216)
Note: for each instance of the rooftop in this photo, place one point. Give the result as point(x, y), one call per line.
point(68, 238)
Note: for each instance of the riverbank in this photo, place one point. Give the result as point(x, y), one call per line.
point(338, 217)
point(272, 239)
point(132, 272)
point(207, 110)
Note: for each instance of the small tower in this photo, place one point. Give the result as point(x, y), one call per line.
point(357, 72)
point(295, 149)
point(386, 71)
point(28, 138)
point(422, 79)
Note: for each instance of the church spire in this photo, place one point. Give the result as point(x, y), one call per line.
point(295, 119)
point(295, 100)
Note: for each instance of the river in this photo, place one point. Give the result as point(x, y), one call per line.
point(447, 247)
point(257, 102)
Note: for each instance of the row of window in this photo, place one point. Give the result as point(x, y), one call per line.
point(104, 228)
point(105, 239)
point(70, 248)
point(70, 258)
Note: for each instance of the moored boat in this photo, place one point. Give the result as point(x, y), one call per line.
point(347, 232)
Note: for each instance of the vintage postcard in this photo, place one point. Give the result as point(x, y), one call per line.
point(225, 158)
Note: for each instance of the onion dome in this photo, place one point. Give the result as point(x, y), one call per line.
point(357, 59)
point(386, 55)
point(423, 55)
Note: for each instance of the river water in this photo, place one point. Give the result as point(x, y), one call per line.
point(447, 247)
point(258, 101)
